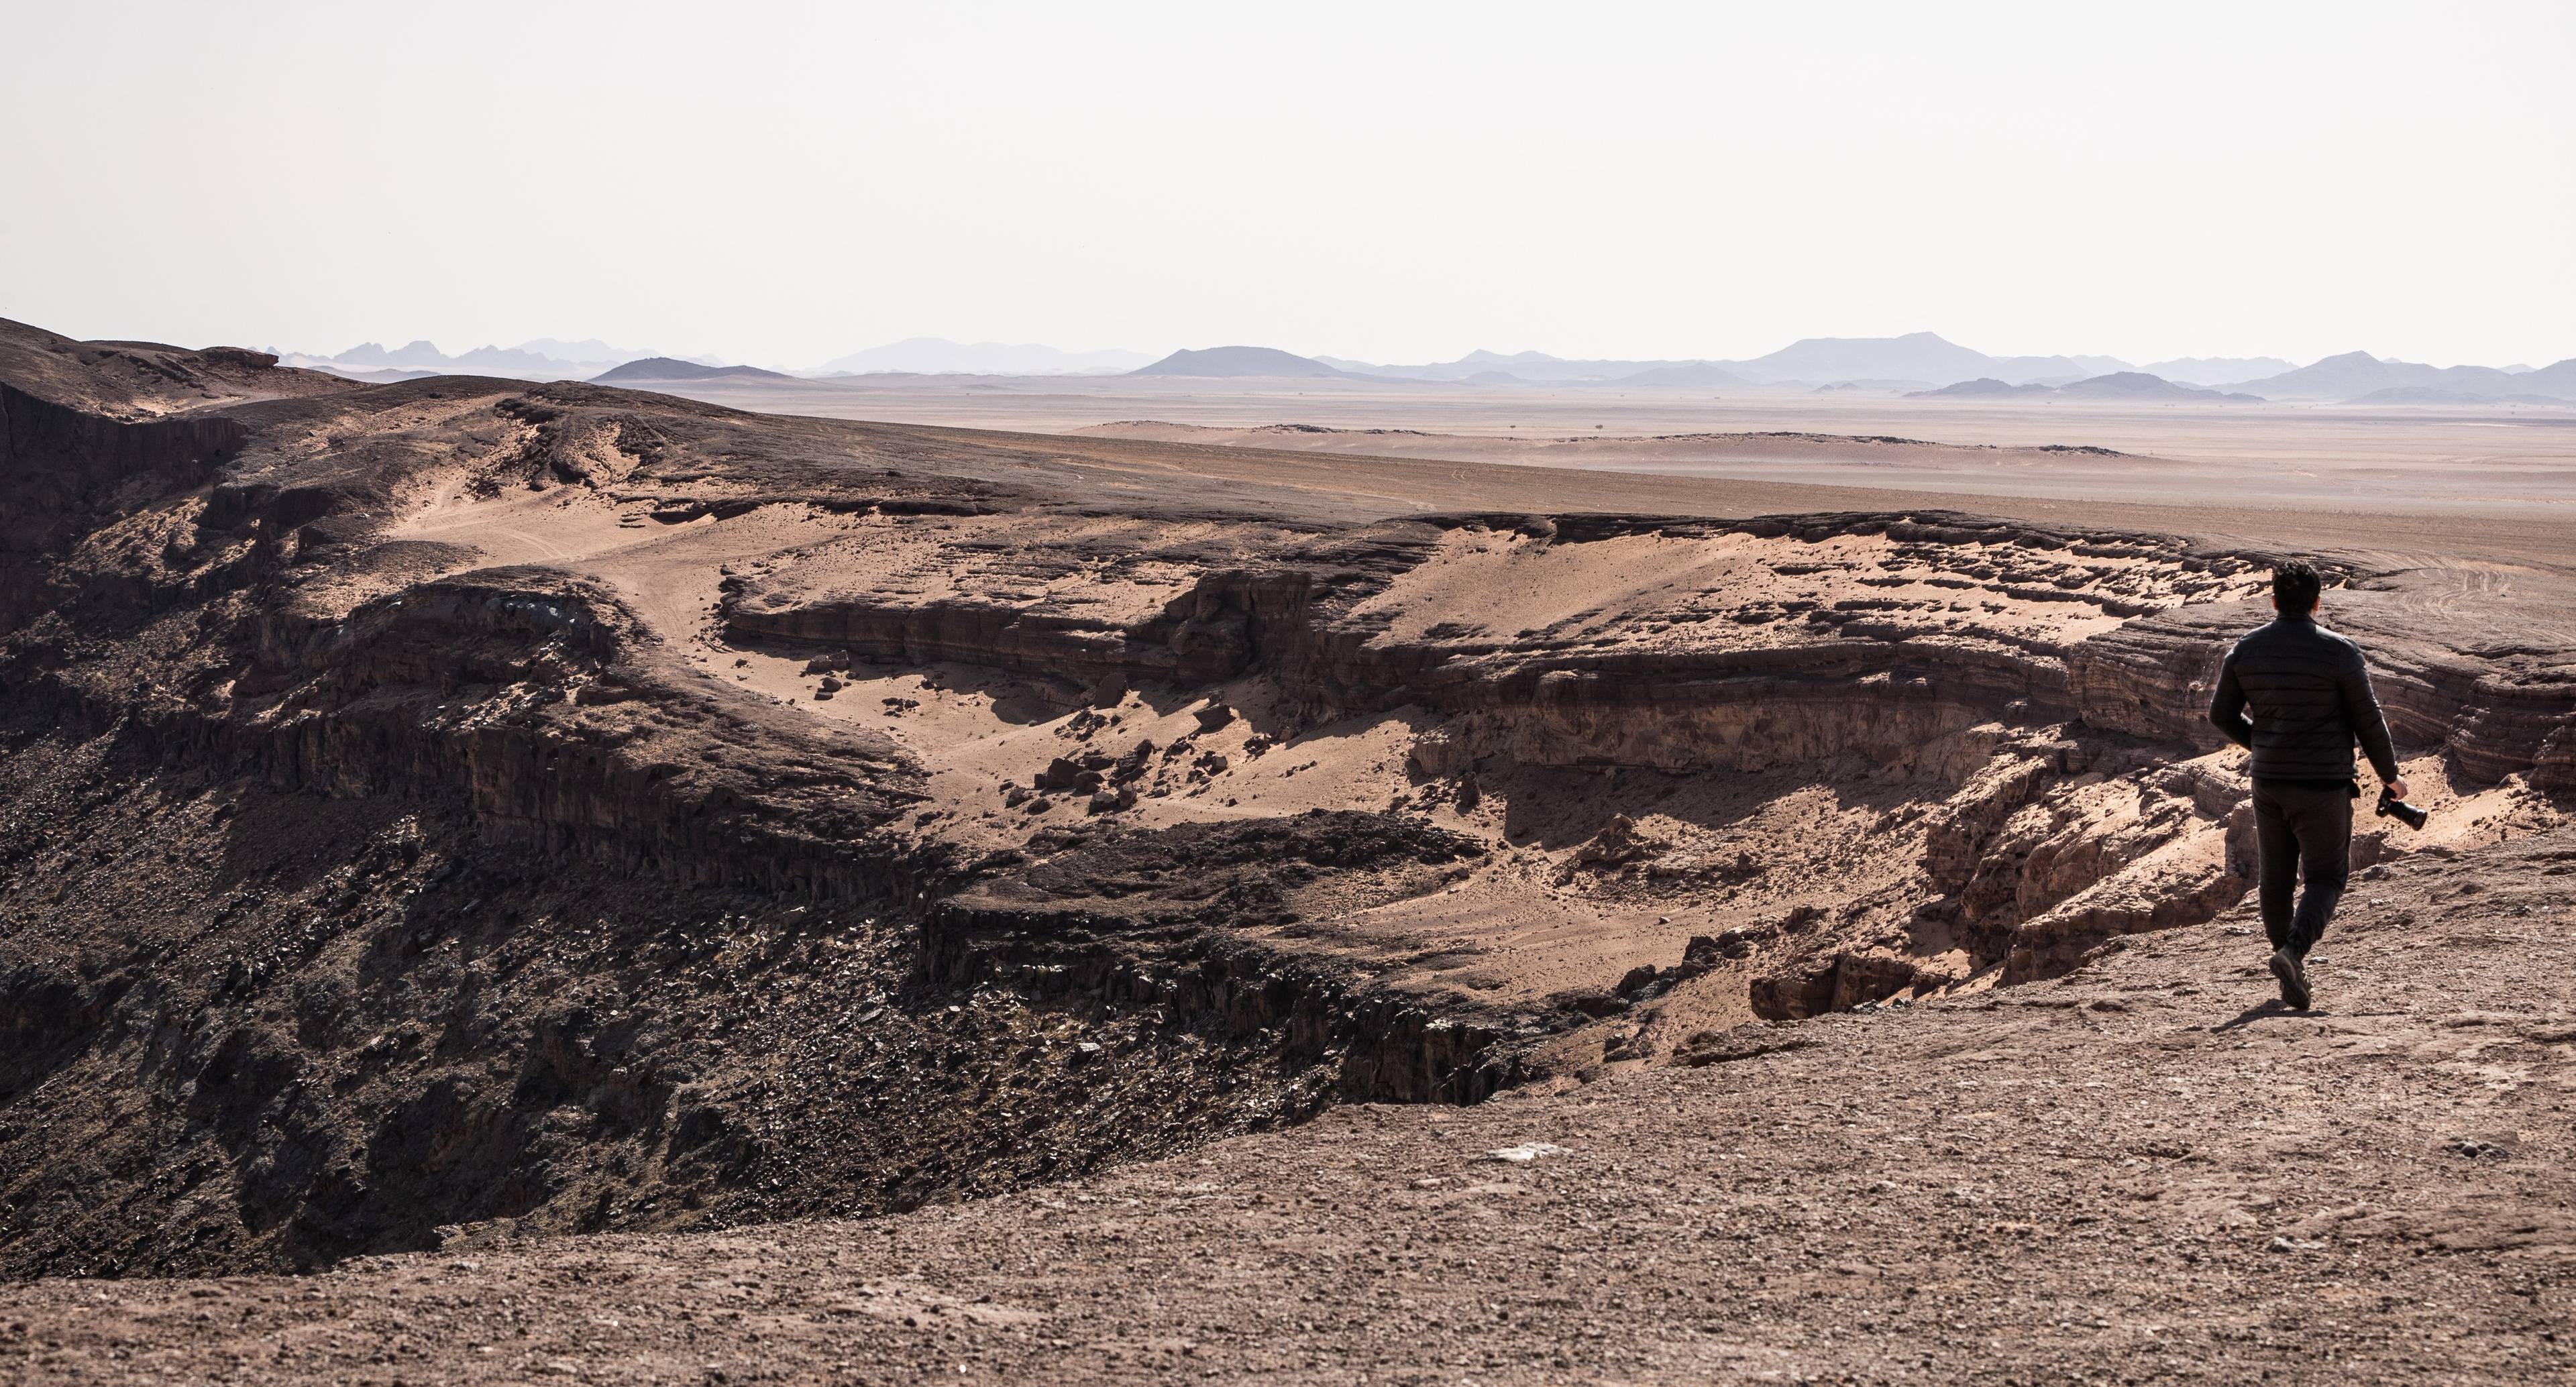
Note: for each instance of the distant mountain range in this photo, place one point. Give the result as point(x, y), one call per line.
point(2359, 376)
point(1925, 364)
point(545, 358)
point(1917, 363)
point(1915, 357)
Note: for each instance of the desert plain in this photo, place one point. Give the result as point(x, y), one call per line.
point(1115, 880)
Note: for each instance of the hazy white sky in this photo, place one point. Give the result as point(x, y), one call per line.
point(788, 183)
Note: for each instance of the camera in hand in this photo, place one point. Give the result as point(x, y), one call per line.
point(2391, 807)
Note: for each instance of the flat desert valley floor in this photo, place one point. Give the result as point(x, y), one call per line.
point(2504, 459)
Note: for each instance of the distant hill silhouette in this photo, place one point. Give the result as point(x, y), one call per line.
point(544, 358)
point(2139, 385)
point(2356, 374)
point(2558, 379)
point(1981, 386)
point(381, 376)
point(657, 368)
point(1239, 361)
point(2113, 385)
point(421, 355)
point(1914, 356)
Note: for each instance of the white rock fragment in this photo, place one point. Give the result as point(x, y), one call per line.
point(1523, 1155)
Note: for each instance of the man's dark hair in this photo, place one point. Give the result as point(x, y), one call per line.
point(2295, 586)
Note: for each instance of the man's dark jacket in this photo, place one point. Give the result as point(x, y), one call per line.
point(2310, 695)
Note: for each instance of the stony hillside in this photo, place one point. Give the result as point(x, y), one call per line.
point(452, 812)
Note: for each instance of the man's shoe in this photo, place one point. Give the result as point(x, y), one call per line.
point(2294, 979)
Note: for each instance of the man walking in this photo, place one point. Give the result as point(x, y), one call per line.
point(2310, 698)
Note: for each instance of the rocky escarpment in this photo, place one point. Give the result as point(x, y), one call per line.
point(2044, 687)
point(66, 472)
point(1931, 623)
point(1921, 647)
point(1767, 642)
point(528, 695)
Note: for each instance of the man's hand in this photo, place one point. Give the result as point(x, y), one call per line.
point(2396, 788)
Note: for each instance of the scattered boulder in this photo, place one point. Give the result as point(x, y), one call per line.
point(1214, 716)
point(1132, 765)
point(1065, 774)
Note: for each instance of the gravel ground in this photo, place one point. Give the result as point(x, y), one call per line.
point(2146, 1172)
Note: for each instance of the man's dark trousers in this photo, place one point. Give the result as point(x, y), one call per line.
point(2304, 831)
